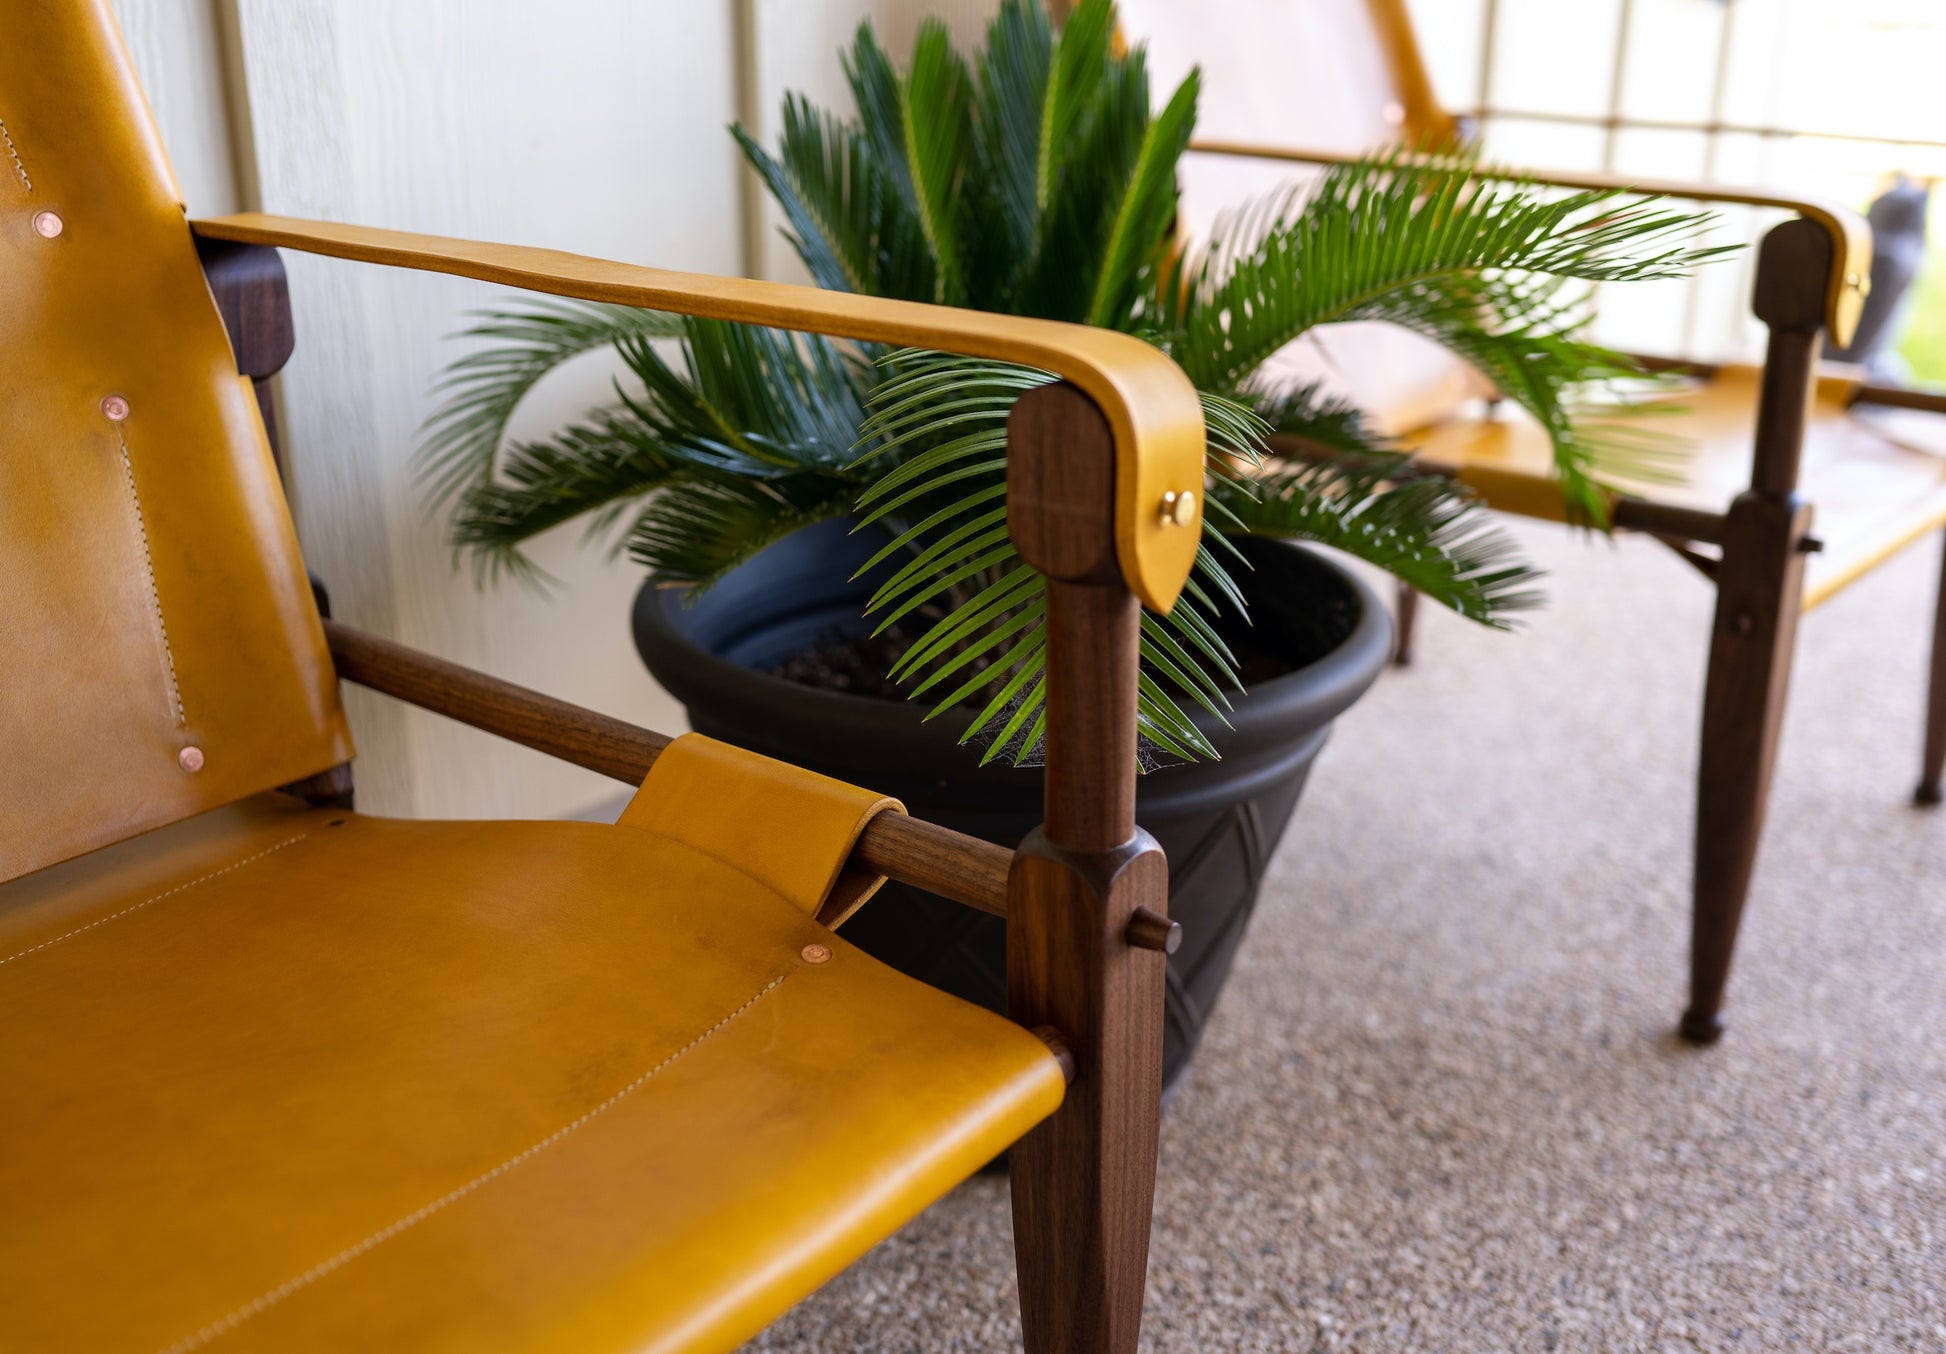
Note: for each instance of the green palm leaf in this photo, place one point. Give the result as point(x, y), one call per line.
point(460, 443)
point(1426, 244)
point(846, 219)
point(1427, 532)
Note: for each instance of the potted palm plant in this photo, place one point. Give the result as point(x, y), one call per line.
point(824, 525)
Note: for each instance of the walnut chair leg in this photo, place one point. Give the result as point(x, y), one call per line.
point(1760, 592)
point(1405, 621)
point(1760, 586)
point(1084, 1180)
point(1935, 759)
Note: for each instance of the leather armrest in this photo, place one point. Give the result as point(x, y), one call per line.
point(1152, 409)
point(1851, 237)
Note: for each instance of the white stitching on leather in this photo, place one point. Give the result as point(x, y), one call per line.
point(19, 168)
point(419, 1215)
point(148, 567)
point(168, 893)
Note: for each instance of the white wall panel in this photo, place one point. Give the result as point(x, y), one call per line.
point(177, 52)
point(589, 125)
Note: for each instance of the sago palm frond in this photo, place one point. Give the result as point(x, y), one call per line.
point(939, 425)
point(1427, 244)
point(846, 219)
point(1303, 412)
point(747, 438)
point(697, 530)
point(1428, 533)
point(1037, 178)
point(594, 467)
point(460, 443)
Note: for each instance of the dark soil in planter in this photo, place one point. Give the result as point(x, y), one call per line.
point(776, 656)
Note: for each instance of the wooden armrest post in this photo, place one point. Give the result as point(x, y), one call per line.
point(1084, 1181)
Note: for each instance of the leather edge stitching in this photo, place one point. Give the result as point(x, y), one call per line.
point(155, 593)
point(14, 154)
point(166, 893)
point(318, 1271)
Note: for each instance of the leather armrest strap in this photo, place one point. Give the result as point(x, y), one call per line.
point(791, 829)
point(1152, 409)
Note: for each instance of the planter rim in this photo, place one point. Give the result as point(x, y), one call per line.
point(1263, 716)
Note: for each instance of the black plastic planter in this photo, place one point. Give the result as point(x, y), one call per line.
point(1218, 821)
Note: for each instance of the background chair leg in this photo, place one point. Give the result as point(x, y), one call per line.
point(1760, 589)
point(1406, 617)
point(1935, 759)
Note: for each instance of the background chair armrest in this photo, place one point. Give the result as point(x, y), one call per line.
point(1851, 237)
point(1152, 409)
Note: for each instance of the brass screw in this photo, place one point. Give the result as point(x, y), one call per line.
point(190, 758)
point(47, 225)
point(815, 954)
point(1178, 509)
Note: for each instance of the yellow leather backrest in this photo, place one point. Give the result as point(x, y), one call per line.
point(159, 650)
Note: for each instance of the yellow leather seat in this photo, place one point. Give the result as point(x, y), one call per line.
point(287, 1078)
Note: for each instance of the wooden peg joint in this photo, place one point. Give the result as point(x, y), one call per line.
point(1150, 930)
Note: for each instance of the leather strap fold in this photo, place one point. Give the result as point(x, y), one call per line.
point(790, 829)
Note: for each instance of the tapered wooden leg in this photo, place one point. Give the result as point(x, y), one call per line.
point(1403, 623)
point(1935, 759)
point(1760, 589)
point(1084, 1181)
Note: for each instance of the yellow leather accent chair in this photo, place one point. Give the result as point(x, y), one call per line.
point(1791, 495)
point(282, 1076)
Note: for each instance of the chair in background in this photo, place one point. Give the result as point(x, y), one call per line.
point(1771, 446)
point(282, 1076)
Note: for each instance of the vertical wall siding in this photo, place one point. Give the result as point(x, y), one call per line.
point(597, 126)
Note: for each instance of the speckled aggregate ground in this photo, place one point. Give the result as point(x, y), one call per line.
point(1440, 1107)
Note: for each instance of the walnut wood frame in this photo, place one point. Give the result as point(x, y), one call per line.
point(1811, 279)
point(1086, 896)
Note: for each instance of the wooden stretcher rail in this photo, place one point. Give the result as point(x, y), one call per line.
point(910, 850)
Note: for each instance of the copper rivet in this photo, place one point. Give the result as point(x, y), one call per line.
point(47, 225)
point(115, 407)
point(1178, 509)
point(190, 759)
point(815, 954)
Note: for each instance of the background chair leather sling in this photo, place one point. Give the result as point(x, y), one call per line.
point(1790, 497)
point(282, 1076)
